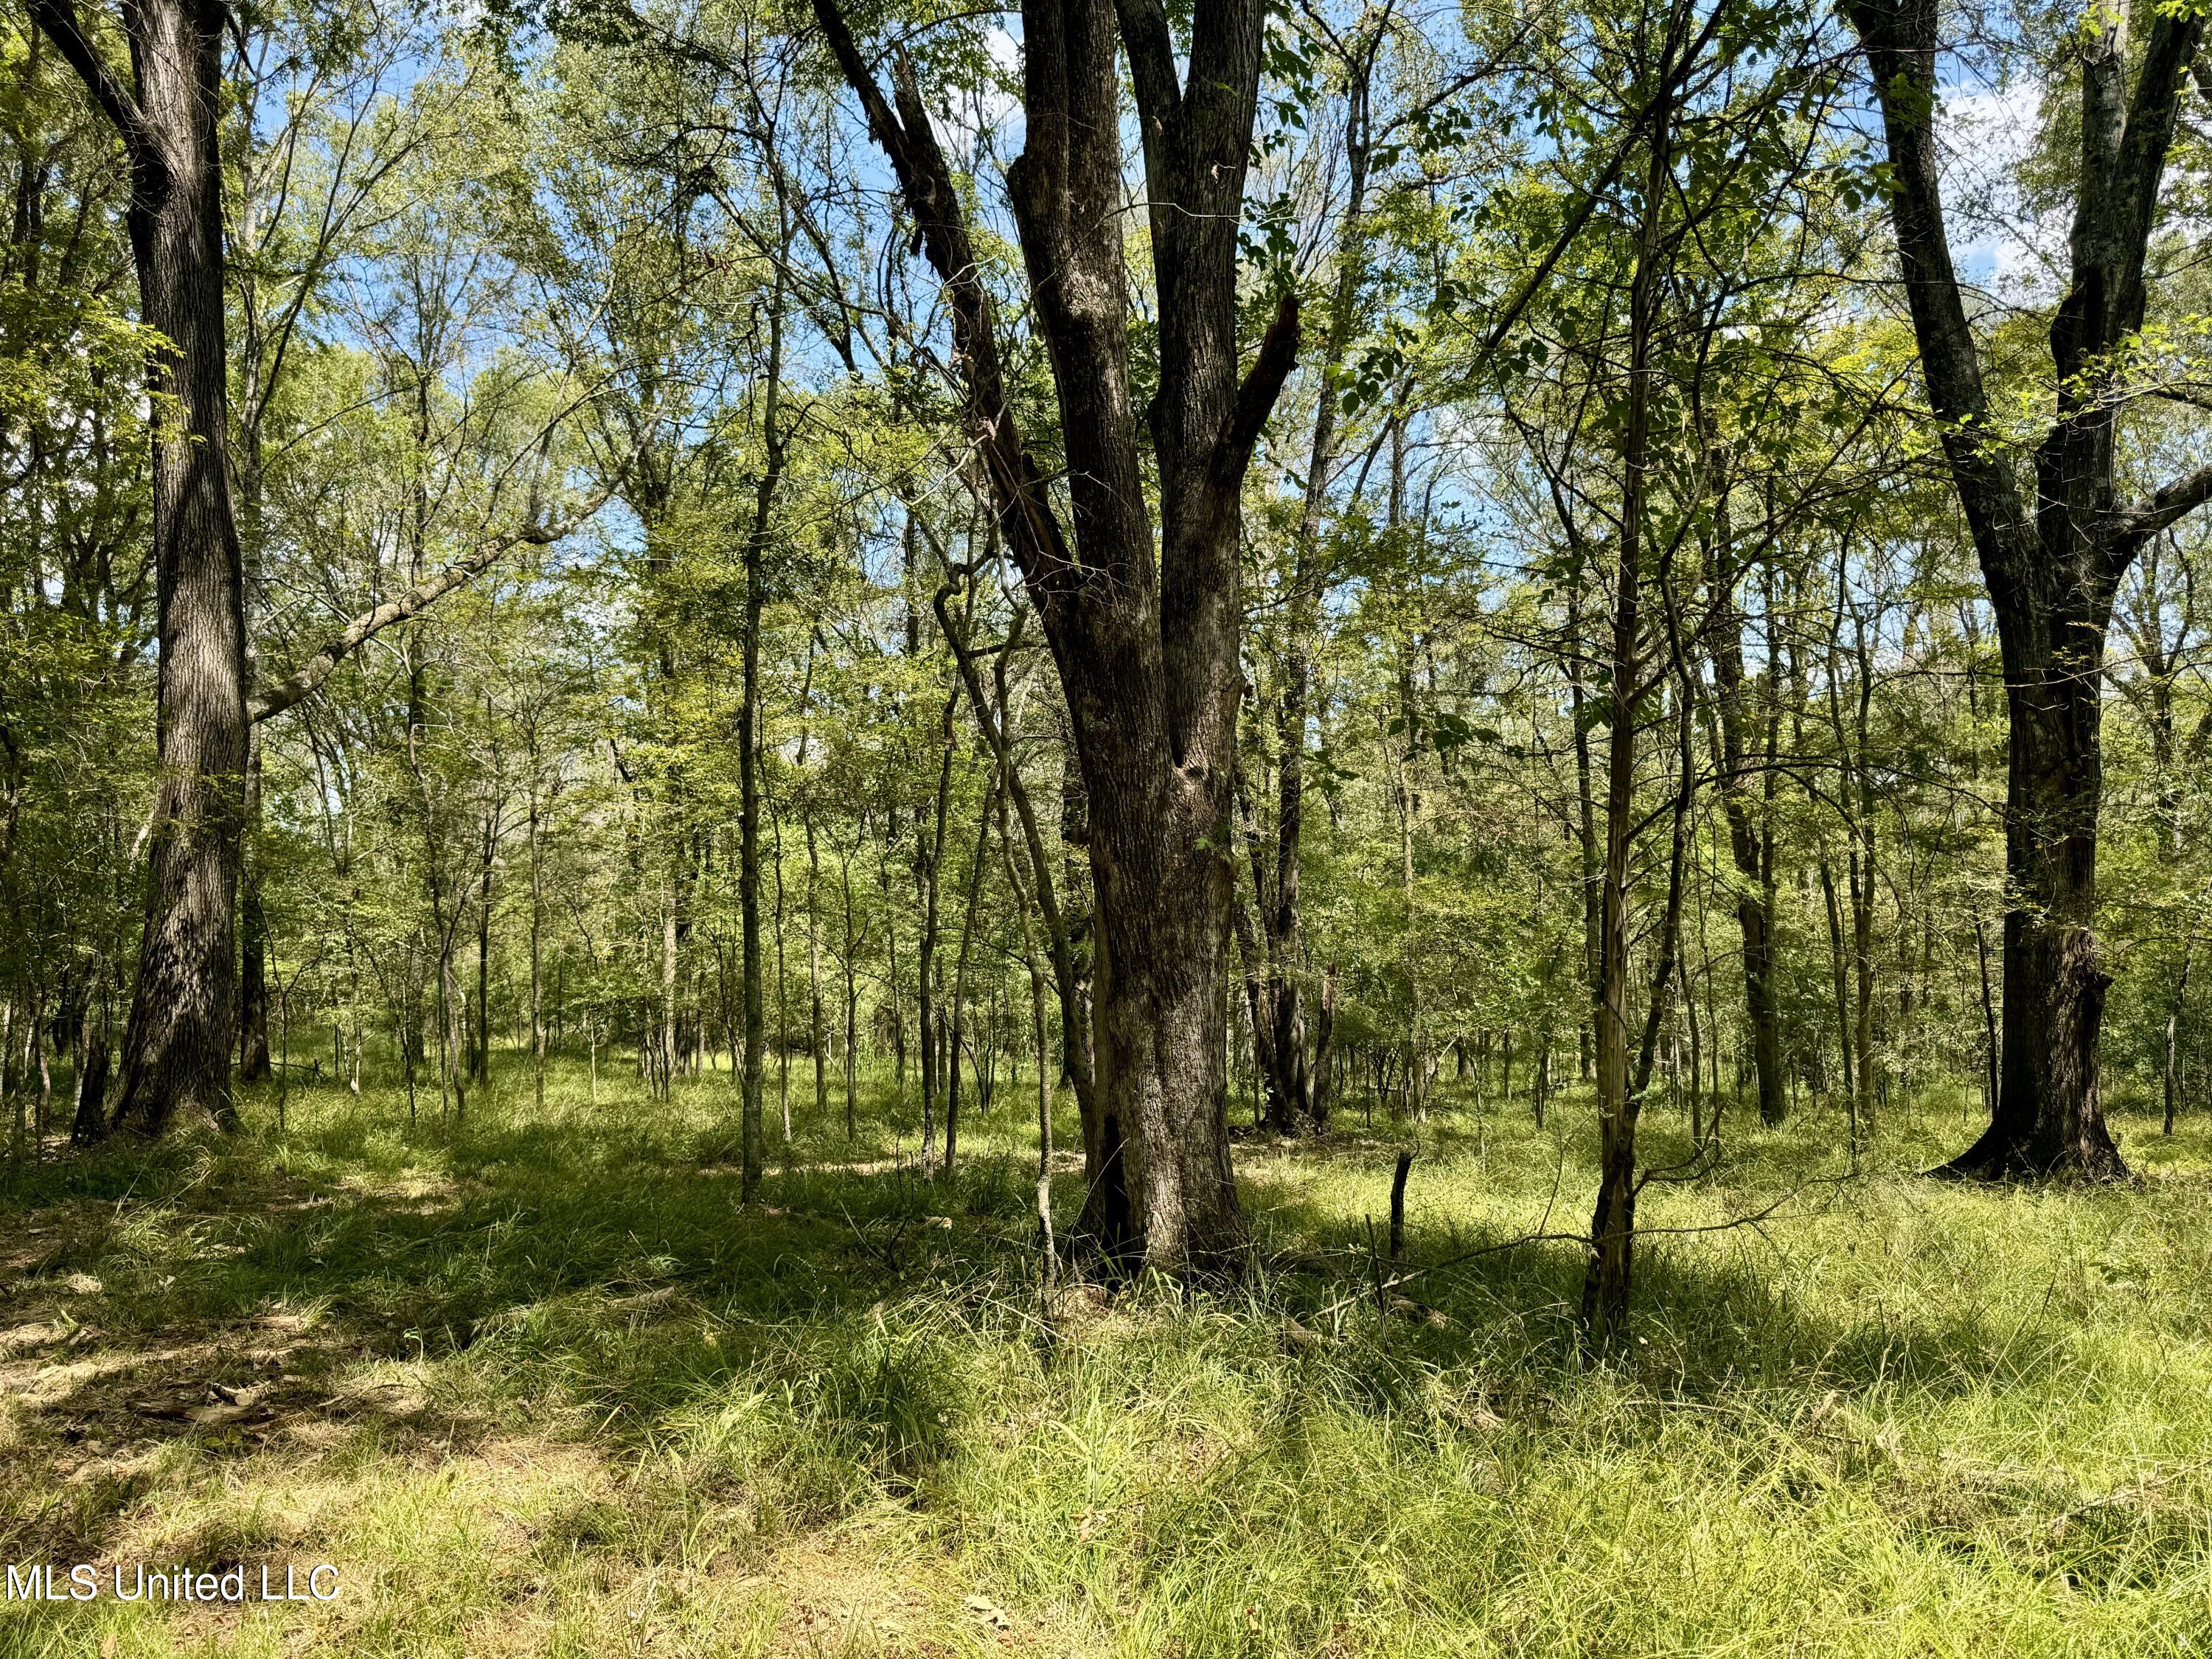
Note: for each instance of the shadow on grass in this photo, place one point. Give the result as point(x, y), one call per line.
point(419, 1288)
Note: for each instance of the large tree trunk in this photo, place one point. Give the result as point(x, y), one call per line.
point(1145, 633)
point(2049, 1115)
point(178, 1045)
point(2052, 562)
point(1163, 1021)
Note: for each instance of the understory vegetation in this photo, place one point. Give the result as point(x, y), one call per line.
point(1108, 827)
point(536, 1384)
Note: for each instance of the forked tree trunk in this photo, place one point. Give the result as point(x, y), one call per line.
point(1144, 632)
point(177, 1046)
point(2052, 560)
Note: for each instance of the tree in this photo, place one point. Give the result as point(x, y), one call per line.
point(1145, 636)
point(176, 1046)
point(2052, 548)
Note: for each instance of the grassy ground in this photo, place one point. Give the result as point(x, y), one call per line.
point(538, 1386)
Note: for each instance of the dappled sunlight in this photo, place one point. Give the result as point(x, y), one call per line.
point(532, 1389)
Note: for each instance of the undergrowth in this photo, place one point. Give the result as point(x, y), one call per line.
point(536, 1383)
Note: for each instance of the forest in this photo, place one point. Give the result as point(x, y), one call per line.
point(1346, 827)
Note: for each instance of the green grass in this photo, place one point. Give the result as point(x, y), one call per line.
point(538, 1385)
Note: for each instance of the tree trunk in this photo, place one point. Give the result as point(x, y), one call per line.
point(960, 970)
point(852, 1008)
point(996, 717)
point(1606, 1285)
point(1144, 631)
point(253, 935)
point(814, 1031)
point(749, 730)
point(1282, 1055)
point(91, 1118)
point(1031, 959)
point(2052, 562)
point(181, 1033)
point(536, 943)
point(482, 1069)
point(1585, 844)
point(816, 1036)
point(2173, 1031)
point(929, 869)
point(1754, 899)
point(782, 1007)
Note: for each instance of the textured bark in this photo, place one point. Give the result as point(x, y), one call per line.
point(1145, 633)
point(91, 1117)
point(178, 1044)
point(2053, 559)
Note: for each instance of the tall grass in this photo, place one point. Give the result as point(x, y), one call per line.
point(538, 1385)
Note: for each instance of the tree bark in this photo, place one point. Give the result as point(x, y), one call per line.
point(2052, 561)
point(1145, 633)
point(181, 1032)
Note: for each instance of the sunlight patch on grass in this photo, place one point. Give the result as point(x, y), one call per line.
point(539, 1386)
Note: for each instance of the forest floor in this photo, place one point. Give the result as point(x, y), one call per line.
point(536, 1385)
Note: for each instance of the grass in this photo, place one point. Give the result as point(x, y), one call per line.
point(538, 1385)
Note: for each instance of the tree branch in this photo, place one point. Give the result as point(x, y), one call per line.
point(1151, 47)
point(303, 682)
point(57, 20)
point(1025, 513)
point(1900, 39)
point(1255, 397)
point(2168, 506)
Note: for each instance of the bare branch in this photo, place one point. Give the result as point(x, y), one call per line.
point(310, 675)
point(2167, 508)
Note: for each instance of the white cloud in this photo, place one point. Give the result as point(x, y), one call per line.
point(1984, 136)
